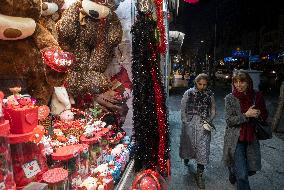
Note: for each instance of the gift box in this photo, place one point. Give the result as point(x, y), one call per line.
point(68, 157)
point(22, 120)
point(29, 162)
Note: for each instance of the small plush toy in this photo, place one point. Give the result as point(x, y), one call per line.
point(101, 170)
point(126, 140)
point(67, 115)
point(60, 100)
point(118, 150)
point(89, 184)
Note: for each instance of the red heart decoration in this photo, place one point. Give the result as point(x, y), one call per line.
point(31, 168)
point(58, 60)
point(31, 118)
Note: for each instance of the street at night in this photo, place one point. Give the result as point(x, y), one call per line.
point(216, 175)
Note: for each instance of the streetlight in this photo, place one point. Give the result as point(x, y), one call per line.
point(201, 41)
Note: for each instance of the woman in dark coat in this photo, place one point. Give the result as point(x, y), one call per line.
point(241, 148)
point(197, 105)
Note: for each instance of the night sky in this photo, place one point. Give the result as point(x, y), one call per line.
point(234, 20)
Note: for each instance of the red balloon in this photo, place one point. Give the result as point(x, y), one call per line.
point(58, 60)
point(191, 1)
point(148, 183)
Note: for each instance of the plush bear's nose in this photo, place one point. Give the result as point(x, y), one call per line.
point(12, 33)
point(94, 14)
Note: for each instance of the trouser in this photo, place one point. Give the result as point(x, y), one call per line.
point(241, 166)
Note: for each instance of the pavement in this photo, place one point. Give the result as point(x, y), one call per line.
point(271, 177)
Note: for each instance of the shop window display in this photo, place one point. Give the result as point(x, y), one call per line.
point(86, 147)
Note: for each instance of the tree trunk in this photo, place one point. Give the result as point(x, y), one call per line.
point(279, 109)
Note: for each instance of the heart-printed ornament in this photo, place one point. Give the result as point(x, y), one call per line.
point(43, 112)
point(58, 60)
point(31, 118)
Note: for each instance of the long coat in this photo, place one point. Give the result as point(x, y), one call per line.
point(234, 118)
point(194, 139)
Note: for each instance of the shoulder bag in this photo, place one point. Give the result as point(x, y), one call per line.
point(262, 129)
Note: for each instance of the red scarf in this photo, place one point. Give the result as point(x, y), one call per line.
point(246, 101)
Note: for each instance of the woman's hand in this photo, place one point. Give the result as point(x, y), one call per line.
point(252, 112)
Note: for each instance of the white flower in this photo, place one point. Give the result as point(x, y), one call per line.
point(89, 129)
point(72, 140)
point(46, 141)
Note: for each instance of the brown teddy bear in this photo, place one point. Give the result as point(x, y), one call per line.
point(51, 13)
point(22, 42)
point(91, 30)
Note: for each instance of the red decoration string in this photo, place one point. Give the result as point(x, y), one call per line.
point(161, 26)
point(161, 115)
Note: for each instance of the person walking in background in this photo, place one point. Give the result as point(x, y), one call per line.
point(241, 153)
point(197, 106)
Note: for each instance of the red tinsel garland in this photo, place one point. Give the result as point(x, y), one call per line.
point(161, 26)
point(161, 122)
point(161, 116)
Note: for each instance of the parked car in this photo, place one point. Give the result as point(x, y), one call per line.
point(271, 78)
point(223, 75)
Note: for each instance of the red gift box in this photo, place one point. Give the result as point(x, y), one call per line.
point(22, 120)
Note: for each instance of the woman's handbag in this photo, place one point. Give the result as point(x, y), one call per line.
point(262, 130)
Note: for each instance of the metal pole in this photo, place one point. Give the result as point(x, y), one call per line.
point(249, 59)
point(215, 39)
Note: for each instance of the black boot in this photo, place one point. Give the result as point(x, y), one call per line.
point(199, 179)
point(185, 161)
point(232, 176)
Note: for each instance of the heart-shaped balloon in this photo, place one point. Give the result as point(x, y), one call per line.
point(31, 118)
point(58, 60)
point(43, 112)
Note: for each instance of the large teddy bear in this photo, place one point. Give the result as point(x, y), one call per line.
point(22, 42)
point(91, 30)
point(51, 13)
